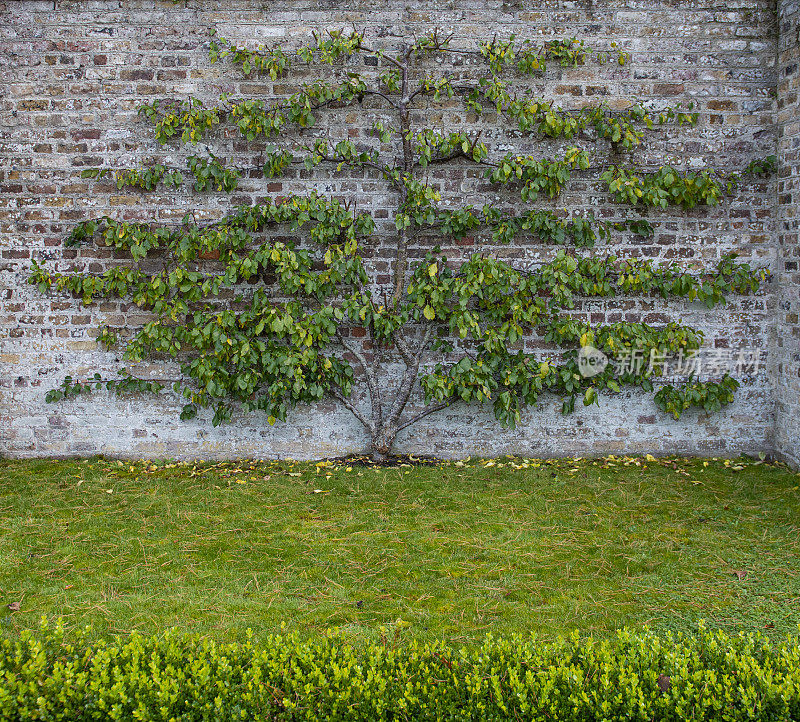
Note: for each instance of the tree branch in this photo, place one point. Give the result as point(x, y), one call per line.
point(401, 258)
point(131, 377)
point(459, 51)
point(353, 410)
point(403, 348)
point(424, 343)
point(385, 169)
point(418, 91)
point(383, 55)
point(372, 382)
point(412, 361)
point(428, 410)
point(387, 98)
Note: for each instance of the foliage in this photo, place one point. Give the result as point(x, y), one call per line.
point(709, 676)
point(260, 322)
point(709, 396)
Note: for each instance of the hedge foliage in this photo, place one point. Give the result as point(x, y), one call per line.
point(46, 676)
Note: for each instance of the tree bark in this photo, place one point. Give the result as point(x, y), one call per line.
point(382, 442)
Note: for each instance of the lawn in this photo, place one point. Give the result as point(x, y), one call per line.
point(434, 552)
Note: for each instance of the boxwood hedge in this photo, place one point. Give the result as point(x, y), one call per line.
point(47, 675)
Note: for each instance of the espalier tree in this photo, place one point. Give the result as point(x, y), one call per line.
point(275, 303)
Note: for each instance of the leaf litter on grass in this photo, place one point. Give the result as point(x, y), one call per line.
point(453, 549)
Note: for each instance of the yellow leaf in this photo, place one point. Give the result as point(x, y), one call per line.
point(433, 269)
point(429, 313)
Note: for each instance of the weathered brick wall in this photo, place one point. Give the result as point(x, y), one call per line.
point(73, 75)
point(787, 420)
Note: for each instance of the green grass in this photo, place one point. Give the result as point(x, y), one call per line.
point(449, 552)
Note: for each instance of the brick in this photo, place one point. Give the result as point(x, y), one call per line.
point(70, 102)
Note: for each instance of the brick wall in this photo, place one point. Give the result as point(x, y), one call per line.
point(73, 74)
point(787, 343)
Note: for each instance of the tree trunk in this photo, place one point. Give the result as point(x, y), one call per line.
point(382, 442)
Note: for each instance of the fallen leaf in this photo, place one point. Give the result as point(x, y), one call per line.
point(739, 574)
point(14, 606)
